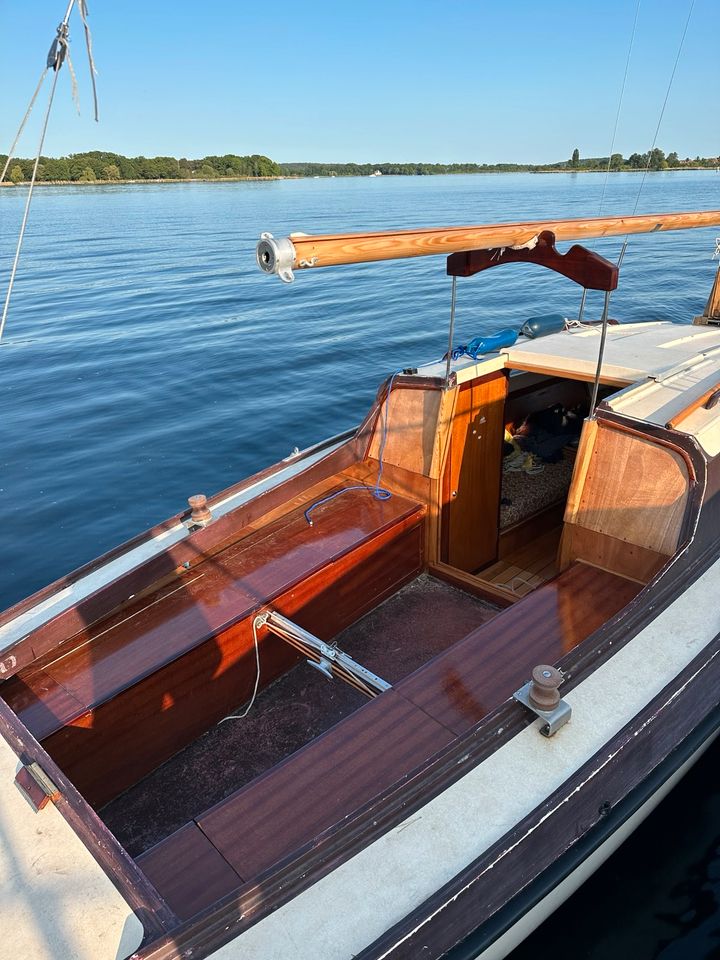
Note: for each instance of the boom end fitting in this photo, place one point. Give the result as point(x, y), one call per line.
point(276, 255)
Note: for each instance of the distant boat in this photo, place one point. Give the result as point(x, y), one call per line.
point(377, 173)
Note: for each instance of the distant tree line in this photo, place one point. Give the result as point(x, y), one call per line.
point(97, 166)
point(636, 161)
point(397, 169)
point(100, 166)
point(654, 159)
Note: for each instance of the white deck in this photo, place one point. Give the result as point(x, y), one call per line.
point(659, 368)
point(56, 901)
point(634, 351)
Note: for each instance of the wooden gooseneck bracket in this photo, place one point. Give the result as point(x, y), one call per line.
point(579, 264)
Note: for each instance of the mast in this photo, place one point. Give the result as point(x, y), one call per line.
point(300, 251)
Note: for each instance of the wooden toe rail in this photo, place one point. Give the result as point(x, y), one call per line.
point(708, 399)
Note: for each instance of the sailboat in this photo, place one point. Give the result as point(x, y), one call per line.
point(399, 694)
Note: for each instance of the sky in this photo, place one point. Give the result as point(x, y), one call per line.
point(369, 81)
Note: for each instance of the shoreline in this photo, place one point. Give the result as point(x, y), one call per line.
point(349, 176)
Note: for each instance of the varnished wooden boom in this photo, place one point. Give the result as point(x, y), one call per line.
point(333, 249)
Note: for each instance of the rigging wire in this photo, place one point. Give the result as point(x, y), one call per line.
point(583, 299)
point(621, 257)
point(659, 123)
point(23, 225)
point(620, 103)
point(58, 53)
point(11, 151)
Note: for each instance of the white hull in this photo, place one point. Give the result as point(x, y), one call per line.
point(530, 921)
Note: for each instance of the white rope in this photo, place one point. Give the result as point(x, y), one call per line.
point(620, 103)
point(257, 622)
point(73, 82)
point(82, 6)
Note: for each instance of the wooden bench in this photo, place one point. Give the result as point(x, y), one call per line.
point(142, 683)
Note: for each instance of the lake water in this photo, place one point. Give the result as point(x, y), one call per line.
point(146, 359)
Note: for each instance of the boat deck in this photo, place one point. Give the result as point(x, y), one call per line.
point(250, 831)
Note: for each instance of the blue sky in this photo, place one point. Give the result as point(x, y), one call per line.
point(370, 81)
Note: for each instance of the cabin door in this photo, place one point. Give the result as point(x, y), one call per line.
point(471, 482)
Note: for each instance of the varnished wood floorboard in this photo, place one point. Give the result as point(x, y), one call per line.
point(528, 567)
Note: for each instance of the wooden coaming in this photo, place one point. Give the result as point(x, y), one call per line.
point(412, 419)
point(633, 490)
point(419, 419)
point(628, 501)
point(712, 308)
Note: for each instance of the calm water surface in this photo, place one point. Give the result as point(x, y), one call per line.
point(146, 359)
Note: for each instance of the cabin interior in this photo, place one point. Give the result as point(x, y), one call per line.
point(516, 528)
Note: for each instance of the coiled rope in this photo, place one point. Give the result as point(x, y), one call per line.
point(377, 491)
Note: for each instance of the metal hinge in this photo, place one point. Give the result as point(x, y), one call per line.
point(37, 786)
